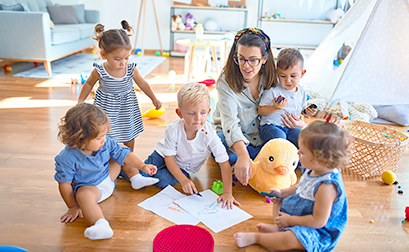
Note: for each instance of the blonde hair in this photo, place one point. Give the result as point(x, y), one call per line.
point(193, 92)
point(327, 142)
point(113, 39)
point(81, 124)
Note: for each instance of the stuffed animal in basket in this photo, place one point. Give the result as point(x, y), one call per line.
point(190, 22)
point(177, 23)
point(274, 166)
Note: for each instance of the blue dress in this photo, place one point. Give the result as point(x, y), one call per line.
point(302, 203)
point(116, 96)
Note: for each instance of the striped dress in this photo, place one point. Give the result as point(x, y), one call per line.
point(116, 96)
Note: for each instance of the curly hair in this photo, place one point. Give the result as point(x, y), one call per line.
point(113, 39)
point(81, 124)
point(327, 142)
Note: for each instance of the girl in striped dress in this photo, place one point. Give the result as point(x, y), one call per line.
point(115, 94)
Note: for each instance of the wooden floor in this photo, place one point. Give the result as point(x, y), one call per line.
point(30, 204)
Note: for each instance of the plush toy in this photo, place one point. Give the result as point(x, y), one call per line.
point(334, 15)
point(190, 22)
point(274, 166)
point(177, 23)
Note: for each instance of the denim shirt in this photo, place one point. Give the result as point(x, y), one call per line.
point(82, 169)
point(236, 114)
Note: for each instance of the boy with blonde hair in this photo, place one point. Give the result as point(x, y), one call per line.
point(188, 142)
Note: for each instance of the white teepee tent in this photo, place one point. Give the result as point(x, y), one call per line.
point(376, 70)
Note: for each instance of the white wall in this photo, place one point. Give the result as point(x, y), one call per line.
point(113, 11)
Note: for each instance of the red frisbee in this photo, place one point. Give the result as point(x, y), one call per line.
point(181, 238)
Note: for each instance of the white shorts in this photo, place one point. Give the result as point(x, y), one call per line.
point(106, 187)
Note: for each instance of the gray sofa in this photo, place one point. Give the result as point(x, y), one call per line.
point(27, 33)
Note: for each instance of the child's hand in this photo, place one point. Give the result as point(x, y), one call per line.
point(228, 200)
point(150, 169)
point(282, 220)
point(280, 105)
point(157, 104)
point(278, 193)
point(310, 111)
point(188, 186)
point(72, 214)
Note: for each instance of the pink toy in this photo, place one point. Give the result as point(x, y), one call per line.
point(181, 238)
point(208, 82)
point(407, 213)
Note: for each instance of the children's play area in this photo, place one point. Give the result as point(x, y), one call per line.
point(204, 125)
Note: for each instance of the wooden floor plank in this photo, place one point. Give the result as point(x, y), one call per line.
point(30, 204)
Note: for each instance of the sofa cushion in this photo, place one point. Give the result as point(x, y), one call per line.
point(63, 14)
point(85, 30)
point(79, 10)
point(63, 34)
point(14, 7)
point(32, 5)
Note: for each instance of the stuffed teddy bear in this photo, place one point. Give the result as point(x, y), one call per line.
point(274, 166)
point(190, 22)
point(177, 23)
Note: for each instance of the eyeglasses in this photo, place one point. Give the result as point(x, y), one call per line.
point(253, 62)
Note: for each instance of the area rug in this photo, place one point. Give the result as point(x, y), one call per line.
point(81, 64)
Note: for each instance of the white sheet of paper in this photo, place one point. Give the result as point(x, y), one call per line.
point(163, 204)
point(210, 213)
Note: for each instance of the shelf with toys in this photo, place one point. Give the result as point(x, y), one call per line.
point(304, 23)
point(184, 19)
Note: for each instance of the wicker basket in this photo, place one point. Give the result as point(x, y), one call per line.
point(375, 149)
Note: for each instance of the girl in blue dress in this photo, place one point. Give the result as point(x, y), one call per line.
point(115, 94)
point(313, 214)
point(87, 168)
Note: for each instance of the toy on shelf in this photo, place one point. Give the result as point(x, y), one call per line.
point(154, 113)
point(138, 52)
point(208, 82)
point(190, 22)
point(177, 23)
point(217, 187)
point(7, 68)
point(274, 166)
point(166, 54)
point(157, 53)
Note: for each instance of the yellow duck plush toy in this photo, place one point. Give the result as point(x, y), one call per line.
point(274, 166)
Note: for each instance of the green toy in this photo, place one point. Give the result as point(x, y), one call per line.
point(217, 187)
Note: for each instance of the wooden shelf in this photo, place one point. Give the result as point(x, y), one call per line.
point(297, 21)
point(208, 8)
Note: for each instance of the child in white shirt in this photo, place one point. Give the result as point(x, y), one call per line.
point(188, 143)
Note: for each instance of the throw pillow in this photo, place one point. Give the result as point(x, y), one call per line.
point(15, 7)
point(79, 10)
point(62, 14)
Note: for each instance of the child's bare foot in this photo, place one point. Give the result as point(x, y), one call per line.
point(267, 228)
point(245, 239)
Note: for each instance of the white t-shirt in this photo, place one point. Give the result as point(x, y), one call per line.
point(296, 101)
point(190, 155)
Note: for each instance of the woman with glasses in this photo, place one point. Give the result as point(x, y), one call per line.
point(249, 70)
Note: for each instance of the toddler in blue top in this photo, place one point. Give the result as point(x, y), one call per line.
point(290, 70)
point(313, 214)
point(87, 168)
